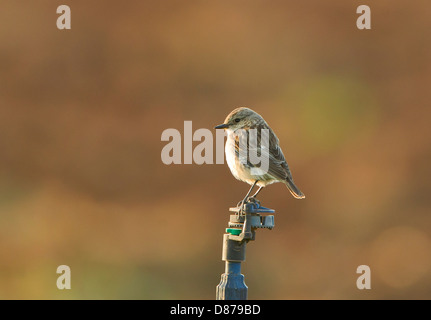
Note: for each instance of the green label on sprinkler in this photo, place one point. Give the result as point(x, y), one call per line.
point(235, 232)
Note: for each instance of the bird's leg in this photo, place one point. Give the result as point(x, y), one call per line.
point(257, 192)
point(246, 197)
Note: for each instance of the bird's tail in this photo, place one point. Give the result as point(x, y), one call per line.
point(294, 189)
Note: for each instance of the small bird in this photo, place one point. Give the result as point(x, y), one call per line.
point(277, 168)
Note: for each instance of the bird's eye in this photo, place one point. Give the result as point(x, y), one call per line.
point(237, 120)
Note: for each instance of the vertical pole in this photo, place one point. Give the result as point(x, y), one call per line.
point(232, 286)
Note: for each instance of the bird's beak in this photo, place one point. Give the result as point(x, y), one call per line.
point(222, 126)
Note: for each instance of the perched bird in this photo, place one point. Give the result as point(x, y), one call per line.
point(238, 125)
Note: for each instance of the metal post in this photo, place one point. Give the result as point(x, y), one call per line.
point(242, 227)
point(232, 286)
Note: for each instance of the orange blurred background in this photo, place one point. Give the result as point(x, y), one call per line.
point(81, 117)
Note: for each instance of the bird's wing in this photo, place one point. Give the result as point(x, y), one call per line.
point(276, 166)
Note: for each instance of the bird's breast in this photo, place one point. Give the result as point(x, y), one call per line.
point(239, 170)
point(231, 158)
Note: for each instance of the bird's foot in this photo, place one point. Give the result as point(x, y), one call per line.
point(241, 204)
point(253, 200)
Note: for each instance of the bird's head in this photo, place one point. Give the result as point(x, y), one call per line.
point(241, 118)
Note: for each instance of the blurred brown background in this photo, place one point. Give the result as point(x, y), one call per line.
point(81, 116)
